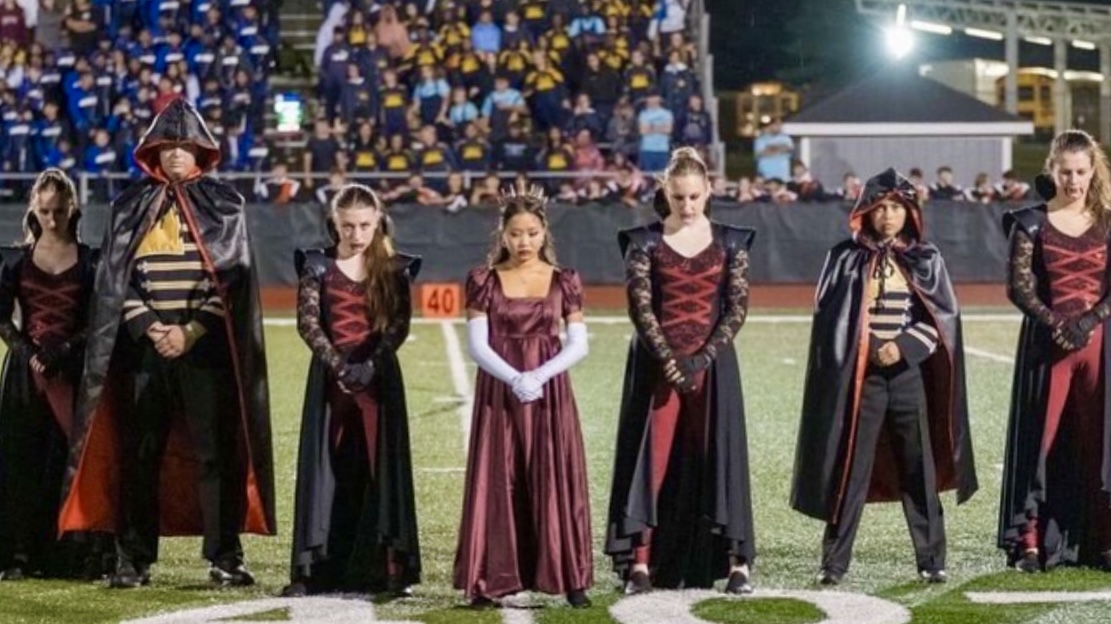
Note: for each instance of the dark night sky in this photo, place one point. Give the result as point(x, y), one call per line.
point(766, 39)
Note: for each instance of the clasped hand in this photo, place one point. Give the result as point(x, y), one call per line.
point(528, 387)
point(1076, 332)
point(887, 355)
point(169, 340)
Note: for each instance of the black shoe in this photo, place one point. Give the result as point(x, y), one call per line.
point(578, 600)
point(828, 577)
point(230, 573)
point(1030, 562)
point(1105, 561)
point(482, 602)
point(934, 576)
point(738, 582)
point(398, 588)
point(129, 576)
point(295, 589)
point(638, 583)
point(14, 573)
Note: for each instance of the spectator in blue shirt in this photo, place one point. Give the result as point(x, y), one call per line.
point(49, 131)
point(774, 151)
point(358, 101)
point(486, 36)
point(501, 106)
point(462, 111)
point(655, 124)
point(695, 127)
point(333, 71)
point(100, 158)
point(431, 96)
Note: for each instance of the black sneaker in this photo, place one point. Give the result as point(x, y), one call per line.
point(738, 582)
point(230, 574)
point(14, 573)
point(933, 576)
point(482, 602)
point(398, 588)
point(129, 576)
point(578, 600)
point(296, 589)
point(828, 577)
point(638, 583)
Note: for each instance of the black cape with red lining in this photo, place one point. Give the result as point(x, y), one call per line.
point(388, 515)
point(724, 523)
point(214, 214)
point(838, 359)
point(1029, 394)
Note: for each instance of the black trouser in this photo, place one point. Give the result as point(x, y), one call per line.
point(205, 396)
point(894, 401)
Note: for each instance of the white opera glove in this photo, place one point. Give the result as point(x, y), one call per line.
point(528, 387)
point(574, 350)
point(478, 347)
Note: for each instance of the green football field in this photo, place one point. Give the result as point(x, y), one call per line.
point(773, 355)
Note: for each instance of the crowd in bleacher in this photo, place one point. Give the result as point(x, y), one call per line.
point(549, 87)
point(80, 80)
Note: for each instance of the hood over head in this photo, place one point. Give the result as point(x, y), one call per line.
point(887, 185)
point(178, 123)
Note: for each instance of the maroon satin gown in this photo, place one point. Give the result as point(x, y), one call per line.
point(526, 507)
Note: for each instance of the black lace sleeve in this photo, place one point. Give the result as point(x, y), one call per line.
point(1022, 284)
point(736, 305)
point(638, 285)
point(9, 333)
point(308, 322)
point(397, 329)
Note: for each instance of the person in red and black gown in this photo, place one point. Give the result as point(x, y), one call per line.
point(884, 406)
point(355, 523)
point(1055, 507)
point(526, 508)
point(680, 505)
point(50, 279)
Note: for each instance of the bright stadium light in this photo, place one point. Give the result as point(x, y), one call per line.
point(900, 41)
point(1083, 45)
point(931, 27)
point(1038, 40)
point(984, 34)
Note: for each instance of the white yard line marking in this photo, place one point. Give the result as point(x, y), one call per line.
point(516, 616)
point(1029, 597)
point(459, 379)
point(988, 355)
point(774, 319)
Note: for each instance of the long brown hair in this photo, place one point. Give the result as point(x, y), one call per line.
point(1098, 199)
point(382, 297)
point(513, 203)
point(56, 180)
point(684, 161)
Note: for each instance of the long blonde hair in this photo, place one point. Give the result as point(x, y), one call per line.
point(56, 180)
point(382, 297)
point(513, 203)
point(1098, 199)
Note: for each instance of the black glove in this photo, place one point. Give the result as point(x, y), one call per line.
point(356, 376)
point(693, 364)
point(53, 358)
point(1078, 331)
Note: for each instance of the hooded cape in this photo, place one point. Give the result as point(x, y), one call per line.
point(214, 213)
point(724, 515)
point(388, 517)
point(838, 359)
point(1021, 489)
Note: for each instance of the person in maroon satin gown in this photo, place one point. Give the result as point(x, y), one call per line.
point(680, 506)
point(355, 522)
point(1055, 507)
point(526, 509)
point(50, 279)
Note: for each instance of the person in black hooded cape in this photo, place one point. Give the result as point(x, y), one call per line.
point(172, 429)
point(884, 409)
point(1055, 508)
point(355, 522)
point(680, 511)
point(49, 280)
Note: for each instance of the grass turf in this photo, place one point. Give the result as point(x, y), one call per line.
point(773, 357)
